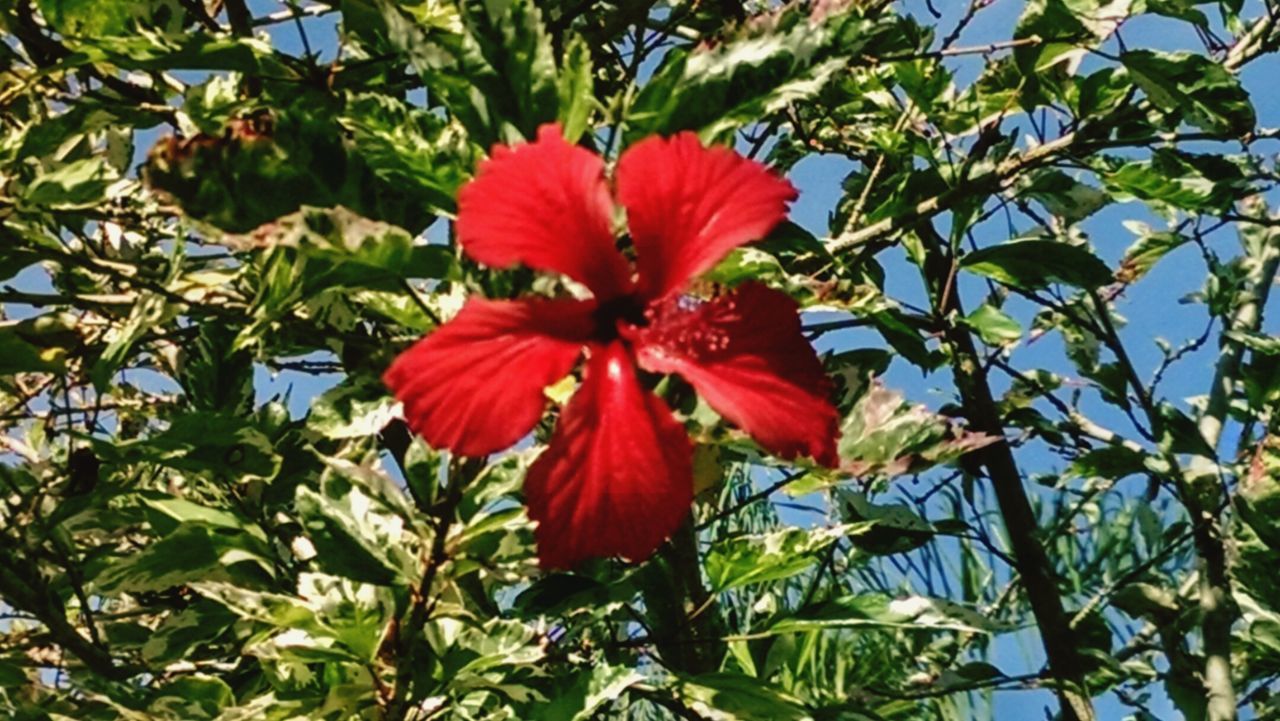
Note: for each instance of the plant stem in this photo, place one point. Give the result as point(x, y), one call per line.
point(1218, 615)
point(684, 614)
point(1031, 561)
point(409, 629)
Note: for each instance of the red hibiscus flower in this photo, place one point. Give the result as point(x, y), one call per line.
point(616, 478)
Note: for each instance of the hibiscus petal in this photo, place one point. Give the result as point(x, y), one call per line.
point(475, 385)
point(745, 355)
point(617, 478)
point(688, 206)
point(546, 205)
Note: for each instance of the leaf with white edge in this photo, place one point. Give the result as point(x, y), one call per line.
point(1260, 343)
point(1194, 87)
point(734, 697)
point(715, 89)
point(883, 435)
point(193, 552)
point(272, 609)
point(590, 690)
point(168, 512)
point(198, 696)
point(353, 614)
point(1150, 246)
point(469, 649)
point(353, 538)
point(183, 633)
point(269, 707)
point(77, 185)
point(1179, 180)
point(877, 610)
point(1068, 27)
point(742, 560)
point(359, 407)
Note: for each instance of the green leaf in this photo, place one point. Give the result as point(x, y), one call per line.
point(576, 88)
point(994, 326)
point(214, 376)
point(354, 615)
point(15, 259)
point(185, 632)
point(1067, 28)
point(1181, 9)
point(95, 18)
point(743, 560)
point(168, 513)
point(22, 356)
point(905, 338)
point(191, 697)
point(1035, 264)
point(996, 90)
point(275, 610)
point(212, 443)
point(876, 610)
point(1110, 462)
point(409, 147)
point(1063, 195)
point(559, 594)
point(1258, 498)
point(330, 619)
point(1261, 636)
point(1192, 87)
point(590, 690)
point(734, 697)
point(356, 531)
point(745, 264)
point(76, 185)
point(495, 72)
point(1180, 434)
point(1197, 183)
point(469, 649)
point(193, 552)
point(882, 529)
point(885, 435)
point(359, 407)
point(351, 250)
point(180, 51)
point(149, 310)
point(1260, 343)
point(273, 161)
point(1146, 251)
point(718, 88)
point(12, 675)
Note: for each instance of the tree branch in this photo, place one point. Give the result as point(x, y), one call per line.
point(26, 592)
point(400, 644)
point(1261, 260)
point(1031, 561)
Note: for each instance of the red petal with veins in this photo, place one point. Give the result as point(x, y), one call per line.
point(616, 478)
point(546, 205)
point(475, 385)
point(688, 206)
point(744, 353)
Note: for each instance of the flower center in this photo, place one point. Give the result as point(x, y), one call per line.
point(610, 314)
